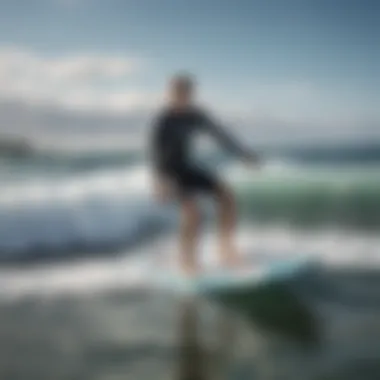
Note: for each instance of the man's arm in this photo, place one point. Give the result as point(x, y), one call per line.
point(225, 139)
point(156, 153)
point(154, 146)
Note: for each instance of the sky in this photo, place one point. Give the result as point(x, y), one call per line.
point(291, 68)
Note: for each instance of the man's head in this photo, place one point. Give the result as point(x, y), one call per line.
point(181, 90)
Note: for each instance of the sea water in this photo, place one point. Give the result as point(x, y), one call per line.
point(80, 233)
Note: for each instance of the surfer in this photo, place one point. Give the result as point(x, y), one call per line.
point(176, 175)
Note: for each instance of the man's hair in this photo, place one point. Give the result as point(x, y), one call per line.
point(183, 80)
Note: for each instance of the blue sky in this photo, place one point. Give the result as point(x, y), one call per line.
point(290, 61)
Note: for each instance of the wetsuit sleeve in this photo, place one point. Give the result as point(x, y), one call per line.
point(156, 147)
point(224, 138)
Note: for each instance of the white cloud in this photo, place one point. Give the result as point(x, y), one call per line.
point(99, 92)
point(301, 104)
point(89, 67)
point(77, 81)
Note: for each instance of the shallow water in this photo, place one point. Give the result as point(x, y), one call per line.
point(62, 318)
point(321, 326)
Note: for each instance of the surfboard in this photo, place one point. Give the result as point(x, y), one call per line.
point(220, 280)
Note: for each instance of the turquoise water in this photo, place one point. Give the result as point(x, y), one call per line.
point(315, 196)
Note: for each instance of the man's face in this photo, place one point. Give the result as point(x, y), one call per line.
point(181, 93)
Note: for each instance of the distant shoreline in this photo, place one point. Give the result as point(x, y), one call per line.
point(15, 147)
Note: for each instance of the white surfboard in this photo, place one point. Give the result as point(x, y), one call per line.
point(219, 280)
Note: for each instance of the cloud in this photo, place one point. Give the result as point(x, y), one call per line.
point(96, 92)
point(300, 104)
point(76, 81)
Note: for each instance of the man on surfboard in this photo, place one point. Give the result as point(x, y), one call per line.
point(175, 174)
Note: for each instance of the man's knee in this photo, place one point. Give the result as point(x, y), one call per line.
point(225, 197)
point(190, 213)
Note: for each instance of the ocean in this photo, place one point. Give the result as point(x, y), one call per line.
point(77, 231)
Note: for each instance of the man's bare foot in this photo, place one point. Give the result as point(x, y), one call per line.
point(231, 260)
point(190, 271)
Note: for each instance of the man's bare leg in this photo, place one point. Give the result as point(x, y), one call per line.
point(190, 220)
point(227, 226)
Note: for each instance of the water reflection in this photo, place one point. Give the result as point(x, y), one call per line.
point(191, 353)
point(245, 328)
point(198, 357)
point(328, 328)
point(274, 308)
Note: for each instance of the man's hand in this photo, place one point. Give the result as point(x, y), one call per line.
point(163, 190)
point(252, 159)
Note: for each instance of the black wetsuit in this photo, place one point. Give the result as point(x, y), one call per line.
point(171, 149)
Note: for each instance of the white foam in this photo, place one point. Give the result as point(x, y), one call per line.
point(95, 208)
point(72, 278)
point(332, 248)
point(130, 181)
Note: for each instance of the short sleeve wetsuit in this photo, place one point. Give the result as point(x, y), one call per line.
point(171, 149)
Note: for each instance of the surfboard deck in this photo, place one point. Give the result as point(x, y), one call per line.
point(221, 280)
